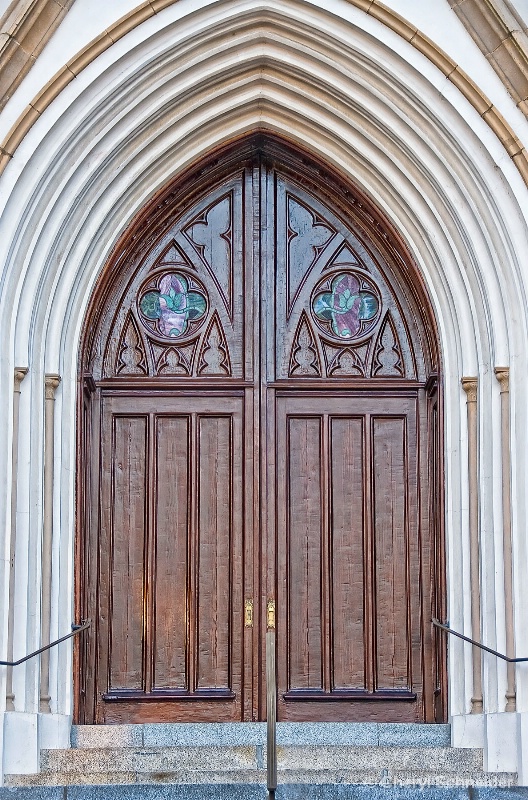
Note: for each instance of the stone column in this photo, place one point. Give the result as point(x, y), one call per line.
point(51, 384)
point(470, 387)
point(503, 376)
point(20, 374)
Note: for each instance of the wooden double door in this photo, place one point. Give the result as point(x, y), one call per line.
point(259, 446)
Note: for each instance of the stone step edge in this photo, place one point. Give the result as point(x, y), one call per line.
point(321, 777)
point(240, 733)
point(198, 758)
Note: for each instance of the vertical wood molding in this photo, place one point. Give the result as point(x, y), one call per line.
point(20, 374)
point(470, 386)
point(503, 376)
point(51, 384)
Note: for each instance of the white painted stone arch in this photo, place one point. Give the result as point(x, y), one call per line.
point(357, 96)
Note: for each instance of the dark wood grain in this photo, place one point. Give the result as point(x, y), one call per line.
point(214, 552)
point(347, 555)
point(171, 577)
point(390, 451)
point(128, 534)
point(304, 511)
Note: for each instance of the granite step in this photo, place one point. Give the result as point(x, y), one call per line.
point(338, 764)
point(229, 758)
point(351, 778)
point(247, 791)
point(194, 758)
point(356, 734)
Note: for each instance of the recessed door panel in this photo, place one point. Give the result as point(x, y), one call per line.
point(126, 527)
point(174, 525)
point(214, 545)
point(173, 473)
point(347, 552)
point(391, 551)
point(305, 544)
point(349, 590)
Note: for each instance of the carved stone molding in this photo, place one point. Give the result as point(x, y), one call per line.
point(24, 31)
point(470, 385)
point(374, 8)
point(503, 376)
point(51, 385)
point(502, 37)
point(20, 374)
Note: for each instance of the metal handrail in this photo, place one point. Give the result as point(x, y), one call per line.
point(85, 624)
point(477, 644)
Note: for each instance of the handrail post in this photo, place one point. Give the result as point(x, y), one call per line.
point(271, 702)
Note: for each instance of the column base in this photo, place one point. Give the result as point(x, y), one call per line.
point(54, 731)
point(21, 745)
point(467, 730)
point(500, 742)
point(522, 747)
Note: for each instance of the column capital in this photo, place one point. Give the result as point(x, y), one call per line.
point(51, 383)
point(503, 376)
point(20, 374)
point(470, 385)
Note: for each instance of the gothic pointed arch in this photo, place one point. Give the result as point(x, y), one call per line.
point(261, 370)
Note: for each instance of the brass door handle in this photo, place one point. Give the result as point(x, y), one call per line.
point(271, 615)
point(248, 614)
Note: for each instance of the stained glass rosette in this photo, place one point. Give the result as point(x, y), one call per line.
point(348, 308)
point(170, 309)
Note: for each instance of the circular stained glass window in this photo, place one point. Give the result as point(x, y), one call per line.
point(172, 306)
point(347, 306)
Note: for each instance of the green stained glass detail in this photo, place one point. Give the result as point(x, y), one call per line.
point(174, 305)
point(346, 306)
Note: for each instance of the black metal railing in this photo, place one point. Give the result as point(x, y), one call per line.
point(447, 629)
point(85, 624)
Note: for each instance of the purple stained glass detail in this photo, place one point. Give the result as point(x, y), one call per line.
point(172, 306)
point(346, 307)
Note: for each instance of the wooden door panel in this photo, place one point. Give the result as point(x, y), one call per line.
point(214, 545)
point(304, 531)
point(391, 537)
point(173, 528)
point(348, 588)
point(347, 552)
point(127, 522)
point(171, 553)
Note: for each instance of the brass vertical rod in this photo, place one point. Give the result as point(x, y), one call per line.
point(271, 707)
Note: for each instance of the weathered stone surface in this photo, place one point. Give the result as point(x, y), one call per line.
point(154, 759)
point(247, 791)
point(247, 733)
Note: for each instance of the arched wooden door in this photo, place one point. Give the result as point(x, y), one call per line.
point(259, 422)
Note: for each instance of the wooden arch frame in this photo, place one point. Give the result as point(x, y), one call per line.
point(131, 248)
